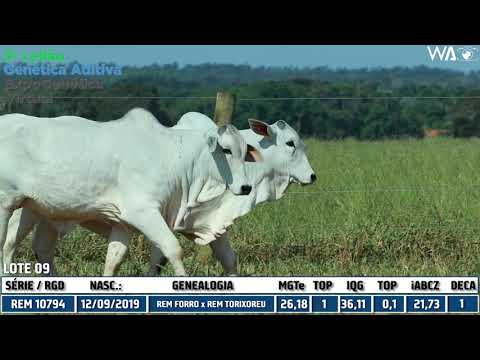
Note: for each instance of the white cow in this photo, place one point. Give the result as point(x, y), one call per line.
point(131, 173)
point(284, 161)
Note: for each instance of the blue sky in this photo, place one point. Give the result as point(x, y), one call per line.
point(349, 56)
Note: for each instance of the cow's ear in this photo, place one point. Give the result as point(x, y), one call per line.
point(253, 155)
point(260, 128)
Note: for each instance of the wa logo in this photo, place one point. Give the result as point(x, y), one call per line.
point(450, 53)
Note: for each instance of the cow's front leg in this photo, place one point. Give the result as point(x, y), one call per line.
point(157, 261)
point(44, 241)
point(225, 254)
point(117, 249)
point(151, 223)
point(9, 201)
point(20, 224)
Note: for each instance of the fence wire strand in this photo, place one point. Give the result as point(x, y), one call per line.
point(256, 99)
point(323, 227)
point(373, 226)
point(378, 190)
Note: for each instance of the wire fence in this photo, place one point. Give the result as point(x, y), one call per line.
point(320, 98)
point(453, 97)
point(433, 189)
point(450, 224)
point(306, 193)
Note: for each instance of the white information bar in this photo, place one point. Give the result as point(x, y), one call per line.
point(240, 285)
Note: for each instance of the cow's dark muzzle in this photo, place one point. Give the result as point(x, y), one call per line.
point(245, 189)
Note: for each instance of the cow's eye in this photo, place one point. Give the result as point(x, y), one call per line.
point(290, 143)
point(226, 151)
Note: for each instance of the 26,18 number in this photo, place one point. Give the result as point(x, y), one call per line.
point(294, 304)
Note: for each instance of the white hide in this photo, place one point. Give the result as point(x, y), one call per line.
point(123, 171)
point(270, 178)
point(282, 164)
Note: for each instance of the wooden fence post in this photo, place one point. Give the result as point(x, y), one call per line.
point(224, 110)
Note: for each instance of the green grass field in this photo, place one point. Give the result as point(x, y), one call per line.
point(406, 207)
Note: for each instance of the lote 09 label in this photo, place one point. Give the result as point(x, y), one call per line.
point(26, 268)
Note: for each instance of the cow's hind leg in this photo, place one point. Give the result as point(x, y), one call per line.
point(44, 241)
point(224, 253)
point(117, 249)
point(5, 215)
point(157, 261)
point(151, 223)
point(20, 224)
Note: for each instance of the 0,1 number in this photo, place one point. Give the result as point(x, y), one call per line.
point(389, 304)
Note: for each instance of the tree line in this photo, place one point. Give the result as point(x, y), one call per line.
point(366, 104)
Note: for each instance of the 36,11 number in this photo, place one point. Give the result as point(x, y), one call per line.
point(360, 303)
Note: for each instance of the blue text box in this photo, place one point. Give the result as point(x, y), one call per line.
point(294, 303)
point(209, 303)
point(426, 303)
point(388, 303)
point(463, 303)
point(355, 303)
point(38, 303)
point(327, 303)
point(112, 303)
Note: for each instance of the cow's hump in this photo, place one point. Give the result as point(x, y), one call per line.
point(195, 120)
point(141, 118)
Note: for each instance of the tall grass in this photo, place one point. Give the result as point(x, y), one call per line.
point(397, 207)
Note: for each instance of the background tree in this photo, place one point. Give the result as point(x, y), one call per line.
point(268, 94)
